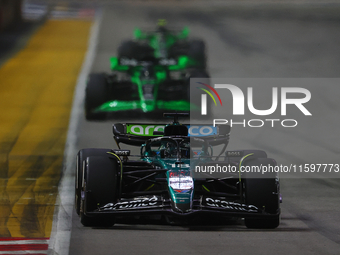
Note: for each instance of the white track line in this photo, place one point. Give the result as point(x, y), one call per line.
point(23, 252)
point(62, 220)
point(18, 242)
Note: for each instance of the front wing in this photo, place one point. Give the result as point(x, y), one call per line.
point(161, 205)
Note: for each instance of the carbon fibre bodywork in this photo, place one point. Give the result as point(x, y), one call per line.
point(150, 74)
point(163, 180)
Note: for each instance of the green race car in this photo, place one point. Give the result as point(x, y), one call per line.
point(176, 176)
point(147, 78)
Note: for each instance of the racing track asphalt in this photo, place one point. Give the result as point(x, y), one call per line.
point(267, 42)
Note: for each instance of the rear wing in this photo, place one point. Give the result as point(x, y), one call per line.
point(171, 64)
point(178, 33)
point(137, 134)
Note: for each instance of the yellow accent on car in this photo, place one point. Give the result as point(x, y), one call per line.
point(241, 161)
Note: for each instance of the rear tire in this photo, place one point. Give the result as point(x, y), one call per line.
point(97, 93)
point(264, 193)
point(197, 52)
point(195, 49)
point(100, 187)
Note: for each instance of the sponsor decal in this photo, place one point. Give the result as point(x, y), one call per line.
point(228, 205)
point(122, 152)
point(234, 153)
point(137, 203)
point(147, 130)
point(197, 152)
point(181, 182)
point(179, 173)
point(182, 191)
point(128, 62)
point(143, 129)
point(168, 62)
point(182, 165)
point(198, 131)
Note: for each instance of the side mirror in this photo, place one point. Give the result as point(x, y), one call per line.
point(184, 33)
point(138, 33)
point(142, 150)
point(182, 63)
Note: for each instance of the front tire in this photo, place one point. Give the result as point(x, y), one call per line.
point(97, 93)
point(81, 157)
point(100, 187)
point(264, 193)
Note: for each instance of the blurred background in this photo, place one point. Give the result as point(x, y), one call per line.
point(43, 48)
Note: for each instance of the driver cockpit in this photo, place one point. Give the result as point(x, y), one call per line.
point(170, 148)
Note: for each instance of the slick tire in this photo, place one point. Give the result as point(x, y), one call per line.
point(197, 51)
point(262, 191)
point(96, 93)
point(100, 187)
point(80, 164)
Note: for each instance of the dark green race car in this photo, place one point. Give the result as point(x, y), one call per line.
point(176, 176)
